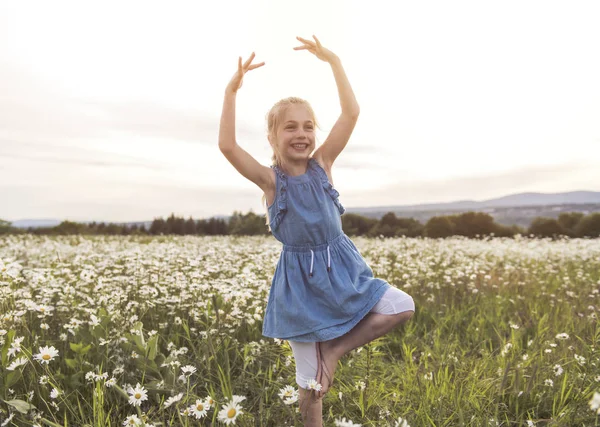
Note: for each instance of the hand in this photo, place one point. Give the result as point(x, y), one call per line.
point(316, 49)
point(238, 78)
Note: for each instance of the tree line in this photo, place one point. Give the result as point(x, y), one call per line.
point(468, 224)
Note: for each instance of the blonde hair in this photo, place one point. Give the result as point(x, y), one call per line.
point(274, 119)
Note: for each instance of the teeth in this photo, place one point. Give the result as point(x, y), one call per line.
point(299, 145)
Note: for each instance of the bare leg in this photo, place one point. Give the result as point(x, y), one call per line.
point(373, 325)
point(311, 408)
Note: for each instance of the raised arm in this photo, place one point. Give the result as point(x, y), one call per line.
point(241, 160)
point(340, 133)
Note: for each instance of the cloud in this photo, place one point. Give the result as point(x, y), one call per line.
point(69, 155)
point(130, 202)
point(32, 110)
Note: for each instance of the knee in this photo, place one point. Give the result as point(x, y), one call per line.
point(405, 316)
point(408, 311)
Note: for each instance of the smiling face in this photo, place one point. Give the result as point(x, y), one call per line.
point(295, 136)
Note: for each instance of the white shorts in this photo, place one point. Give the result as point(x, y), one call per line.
point(393, 301)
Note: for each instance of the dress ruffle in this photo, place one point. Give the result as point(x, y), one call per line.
point(328, 186)
point(282, 192)
point(281, 199)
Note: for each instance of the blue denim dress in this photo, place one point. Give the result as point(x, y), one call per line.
point(322, 286)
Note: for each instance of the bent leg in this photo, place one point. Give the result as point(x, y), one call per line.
point(395, 307)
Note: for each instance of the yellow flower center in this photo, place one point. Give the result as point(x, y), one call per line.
point(200, 406)
point(231, 413)
point(46, 357)
point(138, 395)
point(42, 309)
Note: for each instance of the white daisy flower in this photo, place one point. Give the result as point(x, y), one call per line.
point(288, 394)
point(595, 403)
point(209, 401)
point(312, 384)
point(173, 399)
point(46, 354)
point(401, 423)
point(137, 395)
point(54, 393)
point(132, 420)
point(199, 409)
point(19, 361)
point(558, 370)
point(230, 412)
point(188, 369)
point(345, 423)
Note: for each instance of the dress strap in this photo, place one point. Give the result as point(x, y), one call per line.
point(328, 186)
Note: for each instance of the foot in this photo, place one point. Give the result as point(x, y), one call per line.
point(327, 364)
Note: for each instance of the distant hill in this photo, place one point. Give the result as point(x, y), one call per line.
point(35, 223)
point(513, 200)
point(518, 209)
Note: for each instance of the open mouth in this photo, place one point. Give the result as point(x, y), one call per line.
point(300, 147)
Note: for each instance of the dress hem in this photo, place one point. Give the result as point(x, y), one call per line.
point(334, 331)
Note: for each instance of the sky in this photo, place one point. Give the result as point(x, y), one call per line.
point(109, 111)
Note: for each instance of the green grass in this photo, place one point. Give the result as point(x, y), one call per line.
point(481, 350)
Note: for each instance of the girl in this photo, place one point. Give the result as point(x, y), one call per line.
point(324, 299)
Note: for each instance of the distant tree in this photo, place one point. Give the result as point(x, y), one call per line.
point(158, 226)
point(357, 225)
point(6, 227)
point(508, 231)
point(546, 227)
point(190, 226)
point(409, 227)
point(175, 225)
point(249, 224)
point(112, 229)
point(471, 224)
point(589, 226)
point(386, 226)
point(68, 227)
point(391, 226)
point(438, 226)
point(215, 226)
point(569, 221)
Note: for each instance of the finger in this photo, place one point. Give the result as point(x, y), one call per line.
point(249, 60)
point(252, 67)
point(308, 42)
point(240, 64)
point(317, 40)
point(301, 47)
